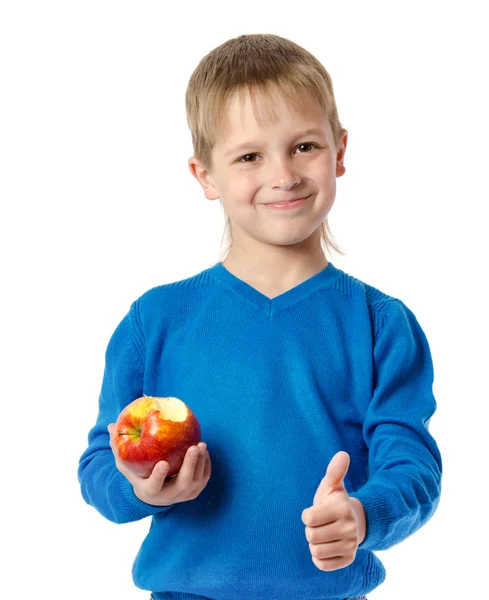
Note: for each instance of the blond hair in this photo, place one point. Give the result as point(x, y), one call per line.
point(267, 63)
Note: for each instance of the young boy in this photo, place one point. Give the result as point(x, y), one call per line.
point(312, 388)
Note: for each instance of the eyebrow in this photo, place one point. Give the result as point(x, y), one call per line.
point(312, 131)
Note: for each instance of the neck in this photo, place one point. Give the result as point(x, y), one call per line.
point(276, 266)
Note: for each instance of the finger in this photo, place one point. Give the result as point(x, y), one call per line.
point(331, 564)
point(199, 468)
point(208, 467)
point(156, 480)
point(335, 509)
point(333, 549)
point(185, 476)
point(110, 429)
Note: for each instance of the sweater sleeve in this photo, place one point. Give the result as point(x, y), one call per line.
point(103, 486)
point(403, 487)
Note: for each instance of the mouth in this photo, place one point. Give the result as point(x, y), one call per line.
point(288, 204)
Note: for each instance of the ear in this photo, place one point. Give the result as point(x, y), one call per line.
point(204, 178)
point(340, 155)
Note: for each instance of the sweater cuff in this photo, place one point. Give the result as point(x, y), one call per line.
point(377, 515)
point(134, 505)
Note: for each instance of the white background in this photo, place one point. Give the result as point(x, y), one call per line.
point(98, 205)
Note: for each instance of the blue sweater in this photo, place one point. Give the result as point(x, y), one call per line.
point(279, 386)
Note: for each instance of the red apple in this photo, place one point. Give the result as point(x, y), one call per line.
point(150, 429)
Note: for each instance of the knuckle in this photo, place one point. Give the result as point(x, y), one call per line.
point(193, 494)
point(188, 457)
point(180, 487)
point(185, 474)
point(310, 535)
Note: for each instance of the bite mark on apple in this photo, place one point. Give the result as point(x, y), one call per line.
point(172, 408)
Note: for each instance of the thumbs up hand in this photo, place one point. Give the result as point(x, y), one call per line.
point(335, 523)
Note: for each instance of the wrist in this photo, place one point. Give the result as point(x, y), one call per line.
point(361, 518)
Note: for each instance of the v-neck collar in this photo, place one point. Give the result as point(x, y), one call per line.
point(271, 306)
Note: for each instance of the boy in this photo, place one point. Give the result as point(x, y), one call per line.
point(313, 388)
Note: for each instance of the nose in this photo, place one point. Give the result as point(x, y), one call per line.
point(283, 176)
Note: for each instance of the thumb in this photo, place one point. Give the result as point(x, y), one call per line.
point(333, 481)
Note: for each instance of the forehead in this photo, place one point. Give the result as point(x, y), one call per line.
point(249, 116)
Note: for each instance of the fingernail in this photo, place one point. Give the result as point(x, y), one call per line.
point(163, 468)
point(194, 451)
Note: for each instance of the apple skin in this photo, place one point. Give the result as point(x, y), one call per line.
point(144, 434)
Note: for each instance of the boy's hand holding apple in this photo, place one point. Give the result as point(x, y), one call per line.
point(153, 442)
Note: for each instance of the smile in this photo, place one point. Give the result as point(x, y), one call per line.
point(288, 205)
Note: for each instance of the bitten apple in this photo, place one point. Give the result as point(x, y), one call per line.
point(150, 429)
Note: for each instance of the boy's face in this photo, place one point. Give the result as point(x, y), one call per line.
point(278, 162)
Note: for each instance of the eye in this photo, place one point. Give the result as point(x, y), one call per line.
point(307, 144)
point(240, 160)
point(246, 161)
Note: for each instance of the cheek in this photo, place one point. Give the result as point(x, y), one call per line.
point(322, 171)
point(325, 179)
point(243, 190)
